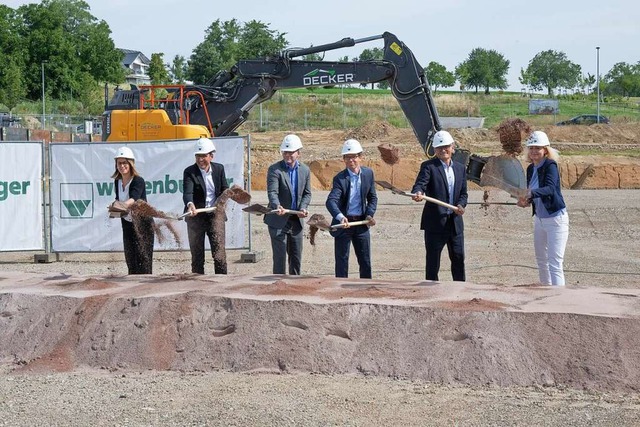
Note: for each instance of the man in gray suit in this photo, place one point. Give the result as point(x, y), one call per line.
point(288, 188)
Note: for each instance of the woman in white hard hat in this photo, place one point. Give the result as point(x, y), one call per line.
point(137, 238)
point(550, 217)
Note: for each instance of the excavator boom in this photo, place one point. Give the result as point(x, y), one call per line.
point(223, 104)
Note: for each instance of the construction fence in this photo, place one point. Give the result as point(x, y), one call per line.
point(54, 197)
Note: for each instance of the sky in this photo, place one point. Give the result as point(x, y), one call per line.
point(445, 31)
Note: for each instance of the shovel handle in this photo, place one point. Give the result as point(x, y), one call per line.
point(290, 211)
point(198, 211)
point(351, 224)
point(286, 212)
point(436, 201)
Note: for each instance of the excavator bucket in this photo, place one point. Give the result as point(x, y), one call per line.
point(506, 173)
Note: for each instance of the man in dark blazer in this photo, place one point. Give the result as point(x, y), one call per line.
point(446, 180)
point(288, 187)
point(352, 198)
point(203, 182)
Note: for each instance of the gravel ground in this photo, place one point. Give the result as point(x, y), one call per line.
point(217, 399)
point(603, 251)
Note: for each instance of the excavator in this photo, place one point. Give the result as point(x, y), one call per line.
point(220, 106)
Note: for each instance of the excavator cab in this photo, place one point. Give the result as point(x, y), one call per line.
point(150, 113)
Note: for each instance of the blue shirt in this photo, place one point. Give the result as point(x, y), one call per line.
point(355, 195)
point(293, 178)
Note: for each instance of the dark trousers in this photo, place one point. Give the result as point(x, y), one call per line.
point(287, 242)
point(199, 226)
point(435, 242)
point(138, 247)
point(360, 237)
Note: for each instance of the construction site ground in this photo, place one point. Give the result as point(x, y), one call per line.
point(82, 343)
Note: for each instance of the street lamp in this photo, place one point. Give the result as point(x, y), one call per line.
point(598, 83)
point(43, 112)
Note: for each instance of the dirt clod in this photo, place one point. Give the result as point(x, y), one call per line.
point(512, 132)
point(316, 222)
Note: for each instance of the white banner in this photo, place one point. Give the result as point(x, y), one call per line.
point(21, 220)
point(82, 188)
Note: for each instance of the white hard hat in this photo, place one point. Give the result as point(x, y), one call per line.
point(125, 153)
point(291, 143)
point(442, 138)
point(205, 146)
point(538, 139)
point(351, 146)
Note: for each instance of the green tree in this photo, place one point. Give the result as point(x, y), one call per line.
point(12, 54)
point(483, 69)
point(258, 41)
point(179, 69)
point(157, 71)
point(12, 88)
point(438, 76)
point(225, 43)
point(524, 79)
point(76, 47)
point(552, 70)
point(623, 80)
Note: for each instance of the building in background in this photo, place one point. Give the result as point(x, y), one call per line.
point(138, 65)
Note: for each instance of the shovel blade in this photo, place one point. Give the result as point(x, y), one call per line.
point(506, 173)
point(257, 209)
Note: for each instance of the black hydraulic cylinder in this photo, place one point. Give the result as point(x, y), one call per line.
point(346, 42)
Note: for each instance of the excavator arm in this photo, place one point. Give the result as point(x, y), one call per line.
point(224, 103)
point(251, 82)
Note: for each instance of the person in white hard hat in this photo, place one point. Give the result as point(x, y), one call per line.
point(130, 187)
point(550, 217)
point(443, 179)
point(288, 188)
point(202, 184)
point(352, 198)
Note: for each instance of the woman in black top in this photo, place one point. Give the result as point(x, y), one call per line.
point(137, 230)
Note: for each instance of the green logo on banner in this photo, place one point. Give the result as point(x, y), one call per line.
point(76, 207)
point(76, 200)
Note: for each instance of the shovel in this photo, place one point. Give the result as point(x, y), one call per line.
point(395, 190)
point(321, 223)
point(263, 210)
point(506, 173)
point(351, 224)
point(201, 210)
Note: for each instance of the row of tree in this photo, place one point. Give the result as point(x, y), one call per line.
point(60, 38)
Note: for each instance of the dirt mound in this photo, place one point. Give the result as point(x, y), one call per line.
point(371, 131)
point(438, 332)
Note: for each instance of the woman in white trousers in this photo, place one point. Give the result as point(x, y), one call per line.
point(550, 217)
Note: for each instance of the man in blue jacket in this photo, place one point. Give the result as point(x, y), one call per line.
point(446, 180)
point(352, 198)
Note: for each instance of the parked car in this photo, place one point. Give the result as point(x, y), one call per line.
point(585, 119)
